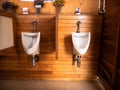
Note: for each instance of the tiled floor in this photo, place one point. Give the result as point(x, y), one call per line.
point(49, 85)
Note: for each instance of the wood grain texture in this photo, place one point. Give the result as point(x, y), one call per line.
point(18, 65)
point(87, 6)
point(89, 23)
point(110, 40)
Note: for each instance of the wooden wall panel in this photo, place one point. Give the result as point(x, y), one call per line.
point(67, 25)
point(18, 65)
point(87, 6)
point(46, 26)
point(110, 38)
point(117, 83)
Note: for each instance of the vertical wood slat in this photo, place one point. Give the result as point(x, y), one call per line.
point(56, 31)
point(117, 84)
point(110, 35)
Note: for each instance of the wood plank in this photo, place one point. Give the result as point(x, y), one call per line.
point(109, 52)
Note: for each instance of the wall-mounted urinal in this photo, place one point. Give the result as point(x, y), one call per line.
point(81, 42)
point(30, 42)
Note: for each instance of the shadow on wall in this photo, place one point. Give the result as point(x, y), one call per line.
point(68, 44)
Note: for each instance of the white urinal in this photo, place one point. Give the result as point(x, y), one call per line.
point(31, 42)
point(81, 42)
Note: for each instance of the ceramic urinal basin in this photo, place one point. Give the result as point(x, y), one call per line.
point(81, 42)
point(31, 42)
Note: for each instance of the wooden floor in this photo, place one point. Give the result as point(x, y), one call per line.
point(49, 85)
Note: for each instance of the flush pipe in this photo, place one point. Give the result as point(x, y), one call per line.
point(35, 59)
point(34, 22)
point(78, 26)
point(78, 61)
point(103, 7)
point(78, 56)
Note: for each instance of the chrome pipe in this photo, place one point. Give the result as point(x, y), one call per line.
point(34, 22)
point(77, 58)
point(78, 26)
point(35, 59)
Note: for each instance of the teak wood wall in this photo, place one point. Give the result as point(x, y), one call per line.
point(110, 44)
point(18, 65)
point(89, 23)
point(117, 83)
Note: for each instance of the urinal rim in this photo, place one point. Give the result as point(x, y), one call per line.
point(75, 33)
point(30, 33)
